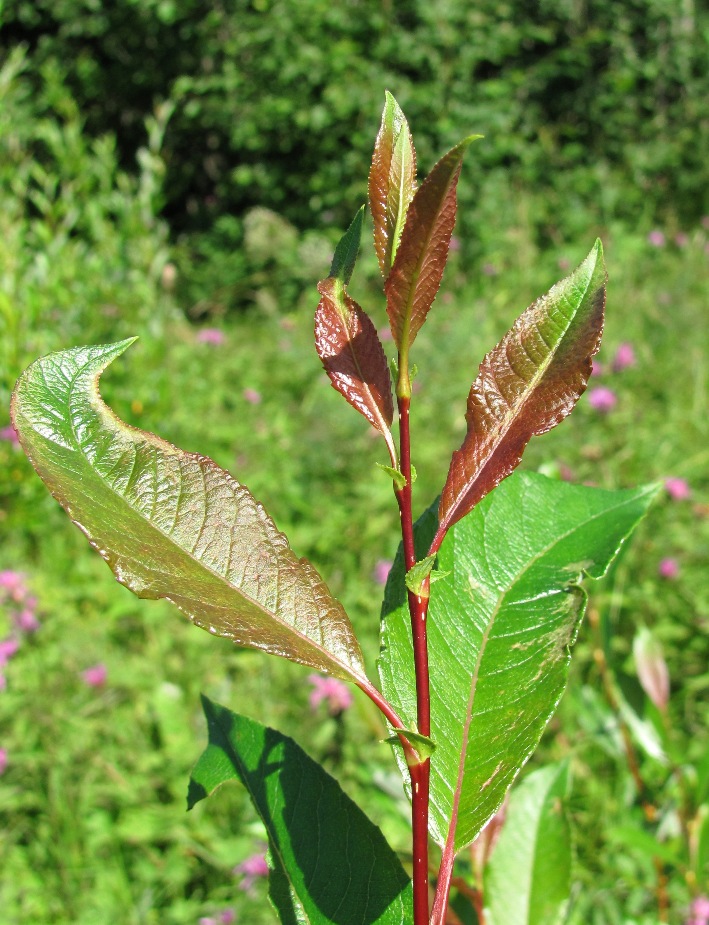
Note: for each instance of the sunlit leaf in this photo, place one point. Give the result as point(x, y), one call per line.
point(353, 357)
point(527, 385)
point(173, 524)
point(533, 853)
point(392, 182)
point(345, 257)
point(329, 863)
point(500, 628)
point(421, 257)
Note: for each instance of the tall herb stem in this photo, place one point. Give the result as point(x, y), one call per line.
point(420, 773)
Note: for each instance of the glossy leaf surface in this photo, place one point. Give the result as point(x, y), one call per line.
point(352, 355)
point(172, 524)
point(392, 182)
point(533, 853)
point(500, 627)
point(527, 384)
point(331, 865)
point(421, 257)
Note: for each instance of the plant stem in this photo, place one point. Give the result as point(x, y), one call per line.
point(418, 607)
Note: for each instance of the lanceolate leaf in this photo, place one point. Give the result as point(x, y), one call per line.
point(500, 627)
point(347, 250)
point(392, 182)
point(329, 864)
point(173, 524)
point(527, 385)
point(421, 257)
point(353, 357)
point(534, 853)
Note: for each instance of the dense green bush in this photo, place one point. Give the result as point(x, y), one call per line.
point(601, 108)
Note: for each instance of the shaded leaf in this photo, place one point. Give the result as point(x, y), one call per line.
point(533, 853)
point(424, 746)
point(392, 182)
point(500, 628)
point(173, 524)
point(331, 864)
point(527, 385)
point(353, 357)
point(421, 257)
point(346, 251)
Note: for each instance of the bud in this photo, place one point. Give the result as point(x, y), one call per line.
point(651, 668)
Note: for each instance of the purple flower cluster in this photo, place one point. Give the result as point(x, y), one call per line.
point(250, 870)
point(334, 693)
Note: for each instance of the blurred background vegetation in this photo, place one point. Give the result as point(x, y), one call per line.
point(182, 171)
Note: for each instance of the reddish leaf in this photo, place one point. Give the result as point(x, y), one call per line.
point(353, 357)
point(392, 182)
point(526, 385)
point(421, 258)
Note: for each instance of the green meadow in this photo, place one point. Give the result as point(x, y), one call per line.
point(100, 719)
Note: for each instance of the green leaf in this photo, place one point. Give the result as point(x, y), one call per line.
point(532, 855)
point(425, 746)
point(346, 251)
point(527, 384)
point(396, 475)
point(330, 863)
point(392, 182)
point(499, 632)
point(421, 258)
point(417, 574)
point(173, 524)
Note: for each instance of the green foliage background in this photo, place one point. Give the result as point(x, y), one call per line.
point(163, 164)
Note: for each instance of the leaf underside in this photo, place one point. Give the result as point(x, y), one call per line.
point(527, 384)
point(500, 628)
point(329, 864)
point(392, 182)
point(352, 355)
point(421, 257)
point(172, 524)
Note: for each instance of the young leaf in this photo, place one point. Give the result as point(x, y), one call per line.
point(392, 182)
point(353, 357)
point(417, 574)
point(500, 629)
point(329, 862)
point(527, 385)
point(173, 524)
point(421, 257)
point(346, 251)
point(533, 853)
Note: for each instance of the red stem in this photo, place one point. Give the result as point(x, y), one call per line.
point(418, 606)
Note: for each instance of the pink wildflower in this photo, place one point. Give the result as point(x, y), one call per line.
point(252, 396)
point(225, 917)
point(381, 571)
point(8, 647)
point(651, 667)
point(454, 244)
point(681, 239)
point(250, 870)
point(3, 760)
point(335, 693)
point(668, 568)
point(385, 334)
point(95, 676)
point(677, 489)
point(602, 399)
point(26, 621)
point(656, 238)
point(624, 358)
point(489, 269)
point(11, 581)
point(596, 368)
point(9, 433)
point(211, 336)
point(699, 911)
point(563, 263)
